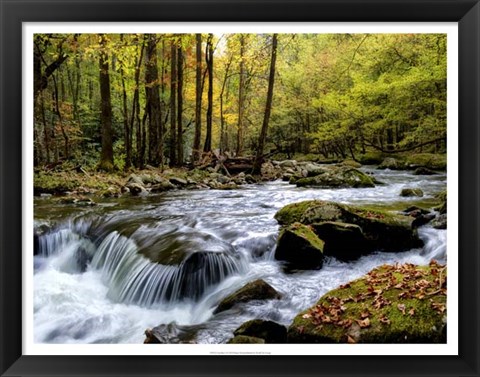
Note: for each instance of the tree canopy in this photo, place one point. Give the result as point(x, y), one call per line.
point(166, 99)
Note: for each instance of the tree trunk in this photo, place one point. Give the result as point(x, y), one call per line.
point(198, 100)
point(222, 118)
point(153, 107)
point(180, 103)
point(268, 108)
point(135, 117)
point(126, 126)
point(241, 98)
point(106, 157)
point(173, 91)
point(209, 60)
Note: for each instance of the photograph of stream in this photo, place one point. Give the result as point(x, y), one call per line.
point(240, 188)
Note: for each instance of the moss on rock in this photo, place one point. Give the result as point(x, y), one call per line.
point(409, 192)
point(337, 177)
point(391, 304)
point(300, 247)
point(427, 160)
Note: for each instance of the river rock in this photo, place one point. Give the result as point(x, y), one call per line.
point(409, 192)
point(136, 189)
point(338, 177)
point(244, 339)
point(300, 247)
point(255, 290)
point(270, 172)
point(314, 169)
point(351, 163)
point(269, 331)
point(440, 222)
point(392, 164)
point(171, 333)
point(342, 241)
point(288, 164)
point(423, 171)
point(391, 304)
point(382, 230)
point(177, 181)
point(430, 161)
point(164, 185)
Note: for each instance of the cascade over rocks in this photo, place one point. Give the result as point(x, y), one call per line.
point(346, 232)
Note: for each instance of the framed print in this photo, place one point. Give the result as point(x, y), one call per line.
point(239, 188)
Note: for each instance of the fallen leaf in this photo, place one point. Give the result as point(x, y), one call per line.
point(384, 319)
point(401, 307)
point(350, 340)
point(364, 314)
point(411, 312)
point(306, 316)
point(364, 323)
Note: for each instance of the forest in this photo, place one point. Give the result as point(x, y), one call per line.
point(122, 101)
point(240, 188)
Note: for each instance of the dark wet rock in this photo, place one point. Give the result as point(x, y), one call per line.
point(342, 241)
point(171, 334)
point(422, 220)
point(177, 181)
point(409, 192)
point(269, 331)
point(78, 201)
point(255, 290)
point(300, 247)
point(424, 171)
point(136, 189)
point(415, 211)
point(244, 339)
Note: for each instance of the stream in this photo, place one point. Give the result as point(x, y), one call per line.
point(93, 282)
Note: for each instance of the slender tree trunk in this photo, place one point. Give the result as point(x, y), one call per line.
point(153, 106)
point(209, 60)
point(46, 132)
point(106, 158)
point(222, 118)
point(268, 108)
point(173, 93)
point(126, 124)
point(135, 117)
point(180, 103)
point(66, 144)
point(198, 100)
point(241, 98)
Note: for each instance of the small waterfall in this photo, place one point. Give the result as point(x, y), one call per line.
point(134, 279)
point(73, 252)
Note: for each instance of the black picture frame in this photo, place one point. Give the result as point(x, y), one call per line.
point(14, 12)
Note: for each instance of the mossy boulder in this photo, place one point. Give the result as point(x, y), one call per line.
point(255, 290)
point(338, 176)
point(409, 192)
point(351, 163)
point(300, 247)
point(442, 208)
point(243, 339)
point(431, 161)
point(383, 230)
point(269, 331)
point(423, 171)
point(370, 158)
point(392, 164)
point(391, 304)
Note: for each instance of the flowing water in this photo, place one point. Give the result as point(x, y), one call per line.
point(95, 281)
